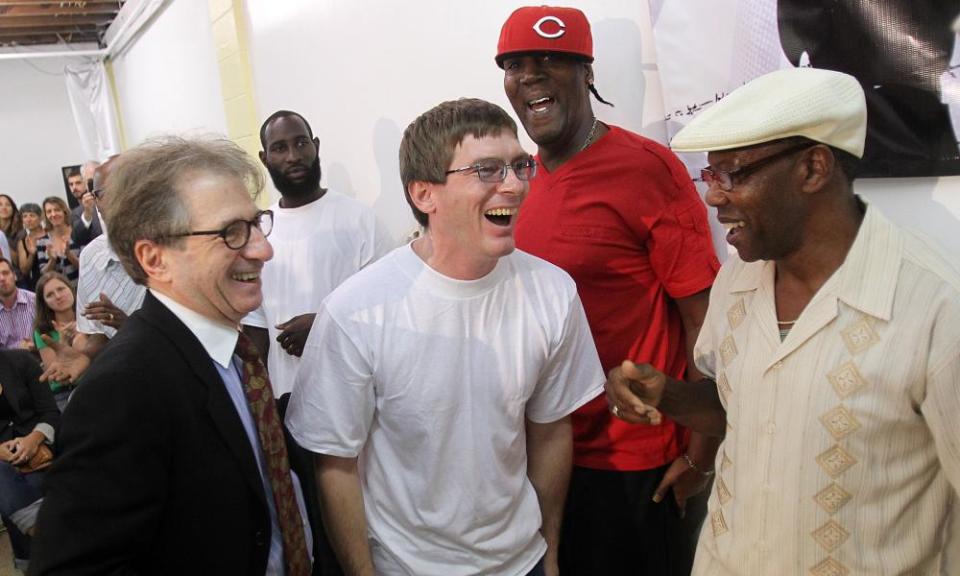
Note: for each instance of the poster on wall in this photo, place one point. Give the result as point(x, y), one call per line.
point(905, 53)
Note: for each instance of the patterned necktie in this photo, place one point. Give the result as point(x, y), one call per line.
point(256, 387)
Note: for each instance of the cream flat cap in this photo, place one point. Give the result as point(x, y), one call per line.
point(822, 105)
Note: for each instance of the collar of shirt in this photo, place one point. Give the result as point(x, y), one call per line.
point(23, 297)
point(866, 280)
point(217, 339)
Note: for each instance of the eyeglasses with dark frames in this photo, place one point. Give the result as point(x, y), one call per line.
point(726, 180)
point(494, 170)
point(237, 233)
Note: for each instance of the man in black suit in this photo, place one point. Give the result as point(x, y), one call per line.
point(160, 466)
point(84, 218)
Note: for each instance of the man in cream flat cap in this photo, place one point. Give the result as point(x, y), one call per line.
point(831, 348)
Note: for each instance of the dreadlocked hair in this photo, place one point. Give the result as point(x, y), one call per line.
point(593, 90)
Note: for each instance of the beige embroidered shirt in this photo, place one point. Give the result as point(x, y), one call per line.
point(842, 453)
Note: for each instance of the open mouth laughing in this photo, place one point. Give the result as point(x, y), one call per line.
point(500, 216)
point(247, 277)
point(540, 105)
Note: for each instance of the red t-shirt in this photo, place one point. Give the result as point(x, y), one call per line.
point(625, 221)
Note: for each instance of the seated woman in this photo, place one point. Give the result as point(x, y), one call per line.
point(27, 246)
point(56, 251)
point(56, 317)
point(30, 418)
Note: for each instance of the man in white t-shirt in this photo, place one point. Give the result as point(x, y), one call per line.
point(320, 238)
point(437, 384)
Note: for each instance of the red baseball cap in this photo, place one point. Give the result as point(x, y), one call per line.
point(545, 29)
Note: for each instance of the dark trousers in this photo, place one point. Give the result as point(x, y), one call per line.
point(611, 526)
point(537, 570)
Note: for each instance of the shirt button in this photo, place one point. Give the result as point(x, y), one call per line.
point(771, 428)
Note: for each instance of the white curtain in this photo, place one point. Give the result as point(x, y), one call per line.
point(88, 89)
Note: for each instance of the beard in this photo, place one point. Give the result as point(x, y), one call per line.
point(287, 187)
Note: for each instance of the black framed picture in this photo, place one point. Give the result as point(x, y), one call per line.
point(71, 175)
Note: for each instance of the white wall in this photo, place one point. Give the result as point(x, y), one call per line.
point(37, 132)
point(360, 71)
point(167, 78)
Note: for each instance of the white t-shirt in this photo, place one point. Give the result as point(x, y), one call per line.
point(430, 381)
point(315, 248)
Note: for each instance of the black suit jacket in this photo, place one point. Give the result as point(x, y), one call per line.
point(80, 234)
point(154, 473)
point(30, 400)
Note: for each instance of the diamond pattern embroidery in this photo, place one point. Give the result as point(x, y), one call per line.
point(832, 498)
point(723, 493)
point(725, 462)
point(736, 314)
point(829, 567)
point(830, 536)
point(723, 386)
point(840, 422)
point(728, 350)
point(846, 379)
point(718, 523)
point(859, 336)
point(836, 461)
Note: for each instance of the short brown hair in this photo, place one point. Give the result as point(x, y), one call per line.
point(144, 192)
point(429, 141)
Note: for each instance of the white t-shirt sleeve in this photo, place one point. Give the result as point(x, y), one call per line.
point(332, 404)
point(257, 318)
point(572, 375)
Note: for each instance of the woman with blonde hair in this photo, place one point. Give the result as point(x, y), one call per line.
point(56, 251)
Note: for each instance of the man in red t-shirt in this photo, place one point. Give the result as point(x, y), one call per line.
point(619, 213)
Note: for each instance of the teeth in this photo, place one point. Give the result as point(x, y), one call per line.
point(732, 225)
point(248, 277)
point(501, 212)
point(538, 101)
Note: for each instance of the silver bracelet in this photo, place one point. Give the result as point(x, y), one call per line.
point(707, 473)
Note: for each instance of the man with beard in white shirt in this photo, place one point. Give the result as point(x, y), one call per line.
point(320, 238)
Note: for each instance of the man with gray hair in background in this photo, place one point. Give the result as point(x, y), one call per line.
point(171, 458)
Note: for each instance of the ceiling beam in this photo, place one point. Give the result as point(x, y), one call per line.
point(43, 21)
point(50, 30)
point(116, 3)
point(54, 10)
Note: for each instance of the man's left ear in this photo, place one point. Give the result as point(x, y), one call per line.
point(421, 194)
point(819, 167)
point(589, 74)
point(150, 255)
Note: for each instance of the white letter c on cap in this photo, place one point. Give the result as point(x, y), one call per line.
point(545, 19)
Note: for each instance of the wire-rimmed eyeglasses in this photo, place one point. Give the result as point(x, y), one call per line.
point(495, 170)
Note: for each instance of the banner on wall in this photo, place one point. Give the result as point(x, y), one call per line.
point(905, 53)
